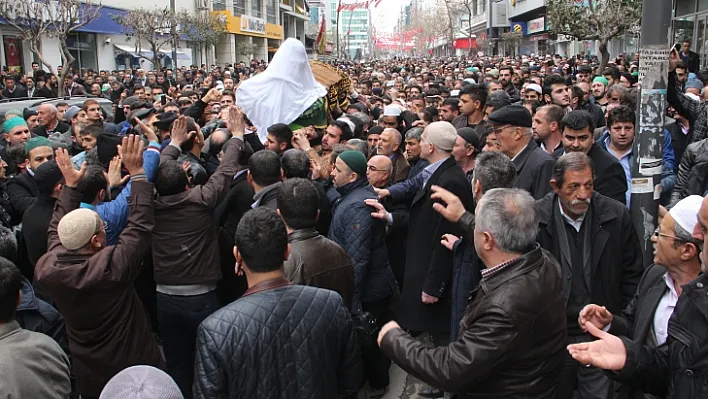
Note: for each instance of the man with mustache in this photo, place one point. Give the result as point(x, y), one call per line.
point(594, 240)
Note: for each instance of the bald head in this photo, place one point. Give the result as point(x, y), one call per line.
point(47, 115)
point(379, 170)
point(389, 142)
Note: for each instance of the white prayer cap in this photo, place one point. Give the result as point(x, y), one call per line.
point(392, 111)
point(685, 212)
point(348, 122)
point(470, 80)
point(535, 87)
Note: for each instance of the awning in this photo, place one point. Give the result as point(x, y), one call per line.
point(181, 55)
point(122, 48)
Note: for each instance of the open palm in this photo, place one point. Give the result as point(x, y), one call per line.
point(607, 353)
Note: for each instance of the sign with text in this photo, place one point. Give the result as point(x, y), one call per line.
point(253, 25)
point(536, 25)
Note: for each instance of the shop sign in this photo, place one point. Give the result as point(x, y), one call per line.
point(253, 25)
point(537, 25)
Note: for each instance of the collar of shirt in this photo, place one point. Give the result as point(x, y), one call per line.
point(543, 146)
point(430, 169)
point(87, 206)
point(577, 224)
point(607, 144)
point(240, 172)
point(522, 150)
point(30, 171)
point(664, 309)
point(684, 129)
point(487, 273)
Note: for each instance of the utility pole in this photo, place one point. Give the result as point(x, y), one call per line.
point(175, 39)
point(647, 148)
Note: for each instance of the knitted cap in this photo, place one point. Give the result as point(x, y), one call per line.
point(355, 160)
point(694, 84)
point(77, 227)
point(141, 382)
point(442, 135)
point(71, 112)
point(35, 142)
point(47, 176)
point(13, 123)
point(685, 212)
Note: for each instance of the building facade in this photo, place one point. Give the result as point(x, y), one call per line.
point(690, 21)
point(353, 29)
point(103, 45)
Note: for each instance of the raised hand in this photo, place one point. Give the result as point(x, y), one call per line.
point(179, 133)
point(146, 130)
point(236, 122)
point(71, 175)
point(131, 153)
point(596, 315)
point(453, 210)
point(607, 353)
point(114, 176)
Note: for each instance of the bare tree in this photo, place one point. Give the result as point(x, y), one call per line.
point(246, 49)
point(599, 20)
point(49, 18)
point(152, 26)
point(204, 30)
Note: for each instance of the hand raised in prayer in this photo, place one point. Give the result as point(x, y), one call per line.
point(71, 175)
point(236, 122)
point(179, 133)
point(131, 153)
point(114, 173)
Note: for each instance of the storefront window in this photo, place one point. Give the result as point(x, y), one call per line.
point(683, 29)
point(83, 47)
point(684, 7)
point(13, 53)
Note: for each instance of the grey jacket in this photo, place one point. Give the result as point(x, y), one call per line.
point(32, 365)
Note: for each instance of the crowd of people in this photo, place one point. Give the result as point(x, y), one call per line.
point(254, 232)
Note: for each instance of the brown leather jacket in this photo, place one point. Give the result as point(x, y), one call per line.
point(319, 262)
point(512, 337)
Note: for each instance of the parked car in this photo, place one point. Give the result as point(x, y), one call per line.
point(34, 103)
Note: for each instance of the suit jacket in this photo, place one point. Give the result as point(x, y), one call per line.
point(400, 168)
point(610, 179)
point(429, 264)
point(613, 266)
point(534, 168)
point(35, 224)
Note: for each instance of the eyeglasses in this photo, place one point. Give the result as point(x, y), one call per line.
point(657, 234)
point(499, 129)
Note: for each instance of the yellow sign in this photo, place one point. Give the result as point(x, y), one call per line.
point(250, 26)
point(518, 28)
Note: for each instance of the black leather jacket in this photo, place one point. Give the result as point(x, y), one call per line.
point(511, 341)
point(293, 341)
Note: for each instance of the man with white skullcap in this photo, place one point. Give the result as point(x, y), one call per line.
point(141, 382)
point(91, 283)
point(676, 263)
point(392, 117)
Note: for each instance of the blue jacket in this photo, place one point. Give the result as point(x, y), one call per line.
point(668, 174)
point(364, 239)
point(115, 213)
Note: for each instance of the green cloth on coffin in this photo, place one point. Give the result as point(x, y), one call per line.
point(315, 116)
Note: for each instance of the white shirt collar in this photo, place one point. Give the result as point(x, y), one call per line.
point(577, 224)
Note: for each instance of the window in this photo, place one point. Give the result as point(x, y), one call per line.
point(482, 6)
point(272, 11)
point(256, 7)
point(218, 5)
point(83, 47)
point(239, 7)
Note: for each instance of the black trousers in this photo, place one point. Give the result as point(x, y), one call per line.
point(376, 364)
point(580, 382)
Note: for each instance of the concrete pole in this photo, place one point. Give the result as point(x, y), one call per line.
point(648, 144)
point(175, 39)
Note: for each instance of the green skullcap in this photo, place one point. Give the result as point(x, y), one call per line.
point(601, 80)
point(12, 123)
point(35, 142)
point(355, 160)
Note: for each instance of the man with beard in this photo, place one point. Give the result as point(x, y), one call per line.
point(15, 133)
point(595, 242)
point(473, 99)
point(390, 146)
point(338, 132)
point(279, 138)
point(505, 74)
point(22, 189)
point(555, 91)
point(449, 110)
point(546, 127)
point(599, 92)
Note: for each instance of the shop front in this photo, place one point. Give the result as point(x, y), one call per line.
point(690, 22)
point(249, 37)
